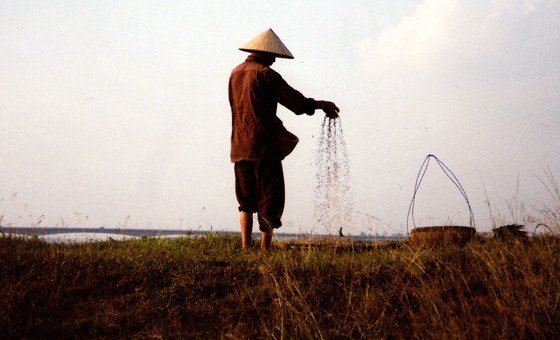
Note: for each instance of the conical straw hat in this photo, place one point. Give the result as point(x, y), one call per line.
point(267, 42)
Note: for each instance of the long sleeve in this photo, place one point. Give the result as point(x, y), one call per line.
point(290, 98)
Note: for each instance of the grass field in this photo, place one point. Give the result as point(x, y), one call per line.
point(209, 287)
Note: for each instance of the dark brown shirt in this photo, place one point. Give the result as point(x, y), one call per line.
point(254, 93)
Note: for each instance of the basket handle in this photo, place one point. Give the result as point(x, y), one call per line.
point(541, 225)
point(420, 177)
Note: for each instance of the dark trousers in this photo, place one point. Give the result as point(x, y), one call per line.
point(259, 187)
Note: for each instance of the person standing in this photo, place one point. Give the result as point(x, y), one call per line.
point(259, 140)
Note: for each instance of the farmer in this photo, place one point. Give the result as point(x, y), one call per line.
point(259, 140)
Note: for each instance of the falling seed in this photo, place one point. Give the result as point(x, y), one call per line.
point(332, 201)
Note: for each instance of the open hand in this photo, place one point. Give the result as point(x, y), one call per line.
point(330, 109)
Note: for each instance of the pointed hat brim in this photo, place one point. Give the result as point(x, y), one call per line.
point(267, 42)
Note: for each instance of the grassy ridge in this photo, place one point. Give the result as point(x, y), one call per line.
point(208, 287)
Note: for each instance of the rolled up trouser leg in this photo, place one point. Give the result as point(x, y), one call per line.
point(246, 186)
point(271, 195)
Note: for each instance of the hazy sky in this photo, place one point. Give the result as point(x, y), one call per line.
point(116, 113)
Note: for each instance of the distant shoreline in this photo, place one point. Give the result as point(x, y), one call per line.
point(146, 232)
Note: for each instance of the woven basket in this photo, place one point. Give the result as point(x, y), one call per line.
point(436, 236)
point(431, 237)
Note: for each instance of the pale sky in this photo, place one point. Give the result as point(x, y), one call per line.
point(115, 113)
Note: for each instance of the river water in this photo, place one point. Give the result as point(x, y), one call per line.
point(84, 235)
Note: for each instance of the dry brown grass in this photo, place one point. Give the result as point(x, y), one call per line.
point(208, 287)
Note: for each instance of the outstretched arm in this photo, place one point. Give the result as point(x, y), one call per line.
point(330, 109)
point(296, 102)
